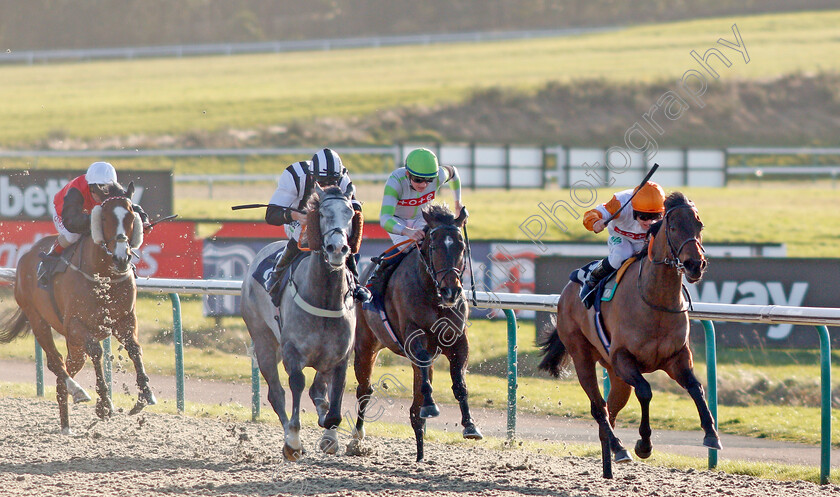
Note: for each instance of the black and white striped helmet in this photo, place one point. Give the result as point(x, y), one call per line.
point(326, 165)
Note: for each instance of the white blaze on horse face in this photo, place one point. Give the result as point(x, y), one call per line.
point(121, 247)
point(448, 241)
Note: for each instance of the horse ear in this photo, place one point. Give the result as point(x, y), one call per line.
point(313, 229)
point(319, 190)
point(96, 225)
point(350, 191)
point(129, 192)
point(356, 233)
point(428, 217)
point(462, 217)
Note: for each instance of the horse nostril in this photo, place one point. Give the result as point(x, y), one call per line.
point(344, 250)
point(331, 248)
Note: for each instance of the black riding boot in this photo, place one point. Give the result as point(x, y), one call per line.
point(289, 253)
point(387, 262)
point(601, 271)
point(48, 263)
point(360, 293)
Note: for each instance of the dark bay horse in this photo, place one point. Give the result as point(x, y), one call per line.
point(427, 310)
point(94, 298)
point(313, 326)
point(647, 323)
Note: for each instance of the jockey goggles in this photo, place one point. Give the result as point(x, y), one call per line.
point(420, 179)
point(647, 216)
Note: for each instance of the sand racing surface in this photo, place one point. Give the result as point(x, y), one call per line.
point(157, 454)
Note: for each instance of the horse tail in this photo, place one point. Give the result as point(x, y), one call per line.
point(13, 325)
point(554, 352)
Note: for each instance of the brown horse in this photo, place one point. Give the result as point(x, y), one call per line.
point(94, 298)
point(427, 310)
point(647, 323)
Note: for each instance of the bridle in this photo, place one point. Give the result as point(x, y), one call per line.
point(430, 264)
point(670, 260)
point(674, 259)
point(333, 230)
point(119, 237)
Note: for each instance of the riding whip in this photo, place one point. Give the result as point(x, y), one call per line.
point(167, 218)
point(257, 206)
point(647, 177)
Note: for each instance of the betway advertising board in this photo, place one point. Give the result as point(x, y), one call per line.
point(753, 281)
point(27, 194)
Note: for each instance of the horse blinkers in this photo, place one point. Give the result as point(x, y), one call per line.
point(124, 230)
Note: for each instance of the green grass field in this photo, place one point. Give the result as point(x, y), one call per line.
point(98, 100)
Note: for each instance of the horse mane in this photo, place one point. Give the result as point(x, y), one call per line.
point(441, 214)
point(675, 199)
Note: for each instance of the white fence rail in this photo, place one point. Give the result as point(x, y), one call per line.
point(45, 56)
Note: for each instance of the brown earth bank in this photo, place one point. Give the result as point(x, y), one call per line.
point(794, 110)
point(156, 454)
point(61, 24)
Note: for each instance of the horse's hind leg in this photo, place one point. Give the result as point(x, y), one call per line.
point(329, 441)
point(627, 369)
point(55, 363)
point(364, 358)
point(128, 337)
point(458, 355)
point(681, 371)
point(104, 407)
point(318, 394)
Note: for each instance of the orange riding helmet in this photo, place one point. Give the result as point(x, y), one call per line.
point(651, 198)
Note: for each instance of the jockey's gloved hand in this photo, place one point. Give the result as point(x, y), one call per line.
point(147, 227)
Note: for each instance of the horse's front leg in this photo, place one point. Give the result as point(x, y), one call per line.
point(329, 441)
point(682, 372)
point(458, 356)
point(292, 448)
point(104, 407)
point(421, 359)
point(126, 333)
point(627, 368)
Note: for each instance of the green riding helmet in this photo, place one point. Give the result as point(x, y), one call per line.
point(422, 162)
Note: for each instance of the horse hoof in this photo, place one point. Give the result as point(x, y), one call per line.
point(471, 433)
point(103, 410)
point(359, 434)
point(621, 456)
point(328, 445)
point(149, 398)
point(80, 396)
point(292, 454)
point(67, 431)
point(431, 411)
point(712, 443)
point(643, 450)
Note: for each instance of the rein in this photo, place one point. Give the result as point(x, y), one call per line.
point(673, 261)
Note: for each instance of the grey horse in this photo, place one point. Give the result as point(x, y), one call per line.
point(313, 326)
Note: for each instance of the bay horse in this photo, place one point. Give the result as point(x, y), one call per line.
point(648, 327)
point(93, 298)
point(425, 304)
point(313, 326)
